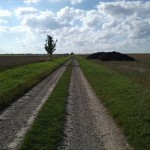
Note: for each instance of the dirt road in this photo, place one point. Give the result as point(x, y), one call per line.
point(16, 120)
point(88, 126)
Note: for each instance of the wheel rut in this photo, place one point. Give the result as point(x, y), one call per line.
point(88, 126)
point(17, 119)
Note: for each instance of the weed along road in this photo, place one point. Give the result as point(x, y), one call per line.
point(16, 120)
point(88, 127)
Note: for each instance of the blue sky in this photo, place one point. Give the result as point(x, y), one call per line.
point(81, 26)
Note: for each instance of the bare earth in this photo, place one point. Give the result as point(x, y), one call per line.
point(88, 126)
point(16, 120)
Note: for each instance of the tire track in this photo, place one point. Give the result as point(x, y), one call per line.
point(88, 126)
point(17, 119)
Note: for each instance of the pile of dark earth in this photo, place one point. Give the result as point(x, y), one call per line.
point(110, 56)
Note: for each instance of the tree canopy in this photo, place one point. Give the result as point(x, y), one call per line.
point(50, 45)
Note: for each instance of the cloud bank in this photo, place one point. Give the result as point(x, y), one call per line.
point(121, 26)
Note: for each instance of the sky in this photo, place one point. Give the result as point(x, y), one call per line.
point(80, 26)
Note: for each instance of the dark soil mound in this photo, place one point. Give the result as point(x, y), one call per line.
point(110, 56)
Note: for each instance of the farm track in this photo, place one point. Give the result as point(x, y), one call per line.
point(16, 120)
point(88, 126)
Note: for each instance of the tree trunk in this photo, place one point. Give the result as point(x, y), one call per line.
point(51, 58)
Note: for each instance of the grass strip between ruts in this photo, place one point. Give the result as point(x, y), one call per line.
point(46, 132)
point(16, 81)
point(128, 102)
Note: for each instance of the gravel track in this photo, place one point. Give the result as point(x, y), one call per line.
point(88, 126)
point(16, 120)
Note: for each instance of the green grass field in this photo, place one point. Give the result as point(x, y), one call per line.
point(16, 81)
point(47, 131)
point(128, 102)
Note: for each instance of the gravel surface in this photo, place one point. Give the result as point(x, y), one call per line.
point(16, 120)
point(88, 126)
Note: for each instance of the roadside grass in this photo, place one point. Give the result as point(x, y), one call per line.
point(127, 101)
point(46, 132)
point(15, 82)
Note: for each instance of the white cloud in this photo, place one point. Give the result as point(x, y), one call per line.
point(139, 29)
point(53, 1)
point(120, 26)
point(125, 8)
point(25, 11)
point(74, 2)
point(92, 20)
point(119, 8)
point(126, 18)
point(68, 15)
point(5, 13)
point(3, 21)
point(14, 29)
point(31, 1)
point(43, 21)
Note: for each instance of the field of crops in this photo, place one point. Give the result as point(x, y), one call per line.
point(9, 61)
point(140, 57)
point(138, 71)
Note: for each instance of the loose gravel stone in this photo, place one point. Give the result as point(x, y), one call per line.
point(88, 126)
point(17, 119)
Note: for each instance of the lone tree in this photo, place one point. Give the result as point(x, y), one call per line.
point(50, 45)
